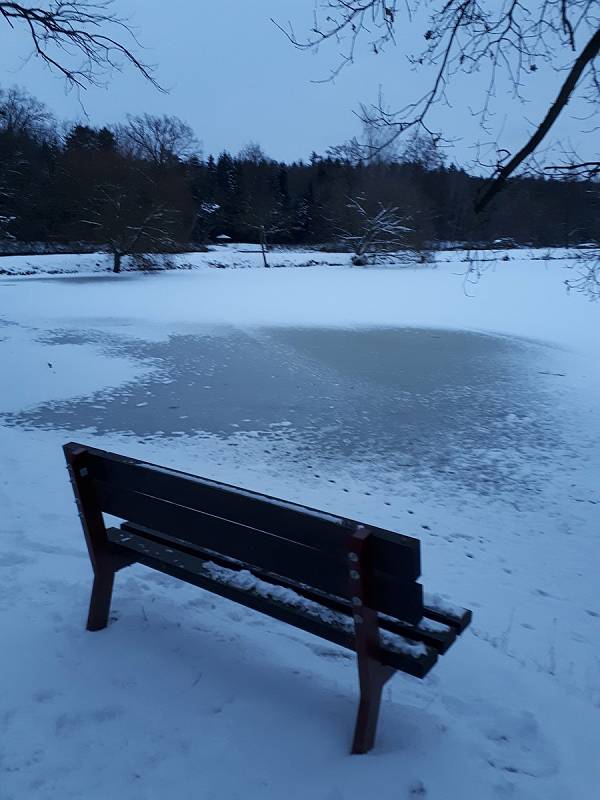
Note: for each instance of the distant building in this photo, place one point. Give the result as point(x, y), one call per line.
point(222, 238)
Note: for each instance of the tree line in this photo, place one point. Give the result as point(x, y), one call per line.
point(143, 186)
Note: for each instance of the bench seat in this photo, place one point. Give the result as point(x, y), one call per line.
point(413, 649)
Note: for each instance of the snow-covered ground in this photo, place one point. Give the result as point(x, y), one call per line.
point(243, 256)
point(232, 256)
point(304, 383)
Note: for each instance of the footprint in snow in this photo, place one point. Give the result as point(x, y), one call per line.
point(69, 723)
point(331, 654)
point(15, 560)
point(512, 740)
point(44, 695)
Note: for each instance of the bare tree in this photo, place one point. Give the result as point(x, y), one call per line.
point(511, 37)
point(265, 228)
point(423, 150)
point(21, 114)
point(83, 40)
point(130, 214)
point(23, 121)
point(373, 232)
point(266, 220)
point(372, 147)
point(159, 139)
point(252, 152)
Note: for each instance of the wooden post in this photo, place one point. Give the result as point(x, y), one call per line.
point(372, 674)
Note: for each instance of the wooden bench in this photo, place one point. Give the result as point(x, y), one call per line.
point(350, 583)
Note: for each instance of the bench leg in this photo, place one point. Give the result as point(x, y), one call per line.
point(373, 677)
point(372, 674)
point(100, 600)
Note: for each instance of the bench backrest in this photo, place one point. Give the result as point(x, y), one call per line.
point(300, 544)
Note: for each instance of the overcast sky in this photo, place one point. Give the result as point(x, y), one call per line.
point(234, 77)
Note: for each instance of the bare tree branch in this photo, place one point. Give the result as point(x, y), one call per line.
point(587, 274)
point(88, 30)
point(587, 55)
point(490, 37)
point(587, 170)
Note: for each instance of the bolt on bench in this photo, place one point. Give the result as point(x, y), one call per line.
point(352, 584)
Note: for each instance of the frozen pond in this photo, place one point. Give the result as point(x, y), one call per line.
point(470, 406)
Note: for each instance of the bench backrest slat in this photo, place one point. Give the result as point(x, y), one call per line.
point(391, 553)
point(300, 544)
point(292, 560)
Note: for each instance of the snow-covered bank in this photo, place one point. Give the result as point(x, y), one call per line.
point(221, 257)
point(186, 695)
point(248, 256)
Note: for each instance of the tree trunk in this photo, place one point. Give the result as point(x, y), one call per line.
point(117, 262)
point(263, 246)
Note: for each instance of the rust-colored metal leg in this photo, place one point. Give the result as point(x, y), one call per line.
point(104, 562)
point(368, 714)
point(372, 674)
point(100, 600)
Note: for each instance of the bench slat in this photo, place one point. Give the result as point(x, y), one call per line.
point(435, 634)
point(443, 611)
point(271, 553)
point(391, 553)
point(398, 652)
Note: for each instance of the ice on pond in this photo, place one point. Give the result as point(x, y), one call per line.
point(467, 405)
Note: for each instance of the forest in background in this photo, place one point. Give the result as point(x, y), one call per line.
point(144, 186)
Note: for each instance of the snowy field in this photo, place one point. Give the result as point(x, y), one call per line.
point(467, 419)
